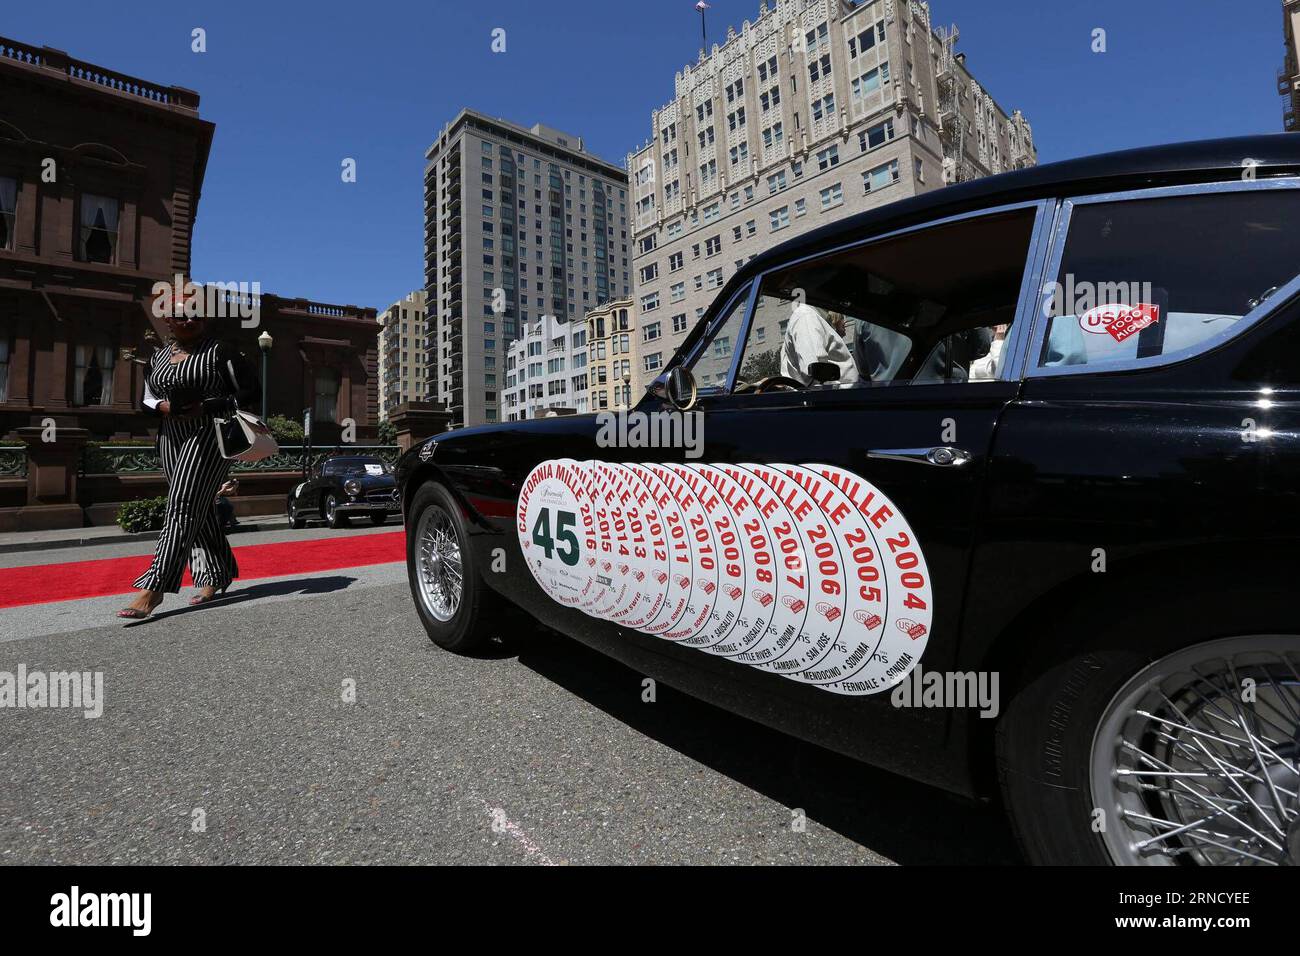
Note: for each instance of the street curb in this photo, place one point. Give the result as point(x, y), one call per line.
point(82, 542)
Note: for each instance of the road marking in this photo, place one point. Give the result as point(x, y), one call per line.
point(503, 824)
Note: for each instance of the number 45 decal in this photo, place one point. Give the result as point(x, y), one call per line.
point(564, 524)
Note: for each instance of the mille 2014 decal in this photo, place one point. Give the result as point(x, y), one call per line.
point(807, 571)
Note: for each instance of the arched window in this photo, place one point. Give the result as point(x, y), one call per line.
point(92, 381)
point(99, 216)
point(8, 211)
point(325, 407)
point(4, 366)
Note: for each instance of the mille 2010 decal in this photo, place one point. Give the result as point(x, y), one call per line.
point(807, 571)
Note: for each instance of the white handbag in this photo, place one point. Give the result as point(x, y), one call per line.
point(243, 436)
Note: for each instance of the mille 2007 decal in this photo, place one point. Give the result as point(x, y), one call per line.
point(807, 571)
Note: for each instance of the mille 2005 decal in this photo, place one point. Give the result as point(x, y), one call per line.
point(807, 571)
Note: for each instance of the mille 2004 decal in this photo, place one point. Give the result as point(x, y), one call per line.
point(807, 571)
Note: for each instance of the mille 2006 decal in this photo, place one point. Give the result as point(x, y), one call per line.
point(807, 571)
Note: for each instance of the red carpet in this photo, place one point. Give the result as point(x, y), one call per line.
point(47, 583)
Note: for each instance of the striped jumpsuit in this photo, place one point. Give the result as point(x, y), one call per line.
point(195, 471)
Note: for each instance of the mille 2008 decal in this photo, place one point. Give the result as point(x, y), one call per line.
point(807, 571)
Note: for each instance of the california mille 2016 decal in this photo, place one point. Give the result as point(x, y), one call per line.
point(807, 571)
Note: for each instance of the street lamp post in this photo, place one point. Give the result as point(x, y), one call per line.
point(264, 342)
point(627, 389)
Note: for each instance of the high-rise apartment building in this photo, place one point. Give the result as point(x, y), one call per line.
point(818, 109)
point(401, 352)
point(618, 349)
point(546, 368)
point(519, 223)
point(1288, 78)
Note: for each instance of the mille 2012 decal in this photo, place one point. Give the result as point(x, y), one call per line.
point(807, 571)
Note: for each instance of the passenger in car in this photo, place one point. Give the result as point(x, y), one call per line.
point(811, 338)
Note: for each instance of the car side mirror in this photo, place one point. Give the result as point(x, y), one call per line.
point(681, 388)
point(823, 372)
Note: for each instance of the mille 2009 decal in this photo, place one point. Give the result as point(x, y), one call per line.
point(807, 571)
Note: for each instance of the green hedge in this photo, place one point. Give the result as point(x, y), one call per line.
point(143, 514)
point(285, 430)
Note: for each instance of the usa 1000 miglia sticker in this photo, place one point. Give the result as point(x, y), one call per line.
point(808, 571)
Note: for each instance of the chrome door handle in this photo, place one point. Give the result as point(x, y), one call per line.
point(942, 456)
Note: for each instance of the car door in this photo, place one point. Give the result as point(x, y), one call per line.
point(907, 322)
point(309, 499)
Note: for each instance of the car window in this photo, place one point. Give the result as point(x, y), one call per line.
point(1144, 279)
point(712, 364)
point(352, 467)
point(926, 307)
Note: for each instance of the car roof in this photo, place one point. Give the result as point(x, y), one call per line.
point(1212, 160)
point(1275, 154)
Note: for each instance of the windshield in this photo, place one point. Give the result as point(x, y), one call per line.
point(354, 467)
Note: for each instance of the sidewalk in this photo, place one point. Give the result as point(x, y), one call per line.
point(15, 541)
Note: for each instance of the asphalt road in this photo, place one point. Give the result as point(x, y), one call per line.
point(234, 715)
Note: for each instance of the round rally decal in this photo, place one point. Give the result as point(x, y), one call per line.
point(911, 603)
point(548, 510)
point(808, 571)
point(701, 579)
point(675, 581)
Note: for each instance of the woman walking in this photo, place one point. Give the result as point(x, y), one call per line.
point(194, 378)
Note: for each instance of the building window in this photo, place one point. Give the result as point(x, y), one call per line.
point(780, 218)
point(99, 215)
point(8, 213)
point(870, 81)
point(325, 406)
point(876, 135)
point(92, 382)
point(828, 157)
point(880, 177)
point(4, 368)
point(679, 322)
point(832, 196)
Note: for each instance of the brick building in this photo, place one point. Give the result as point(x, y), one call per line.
point(100, 179)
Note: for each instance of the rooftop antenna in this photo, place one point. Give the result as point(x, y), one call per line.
point(704, 37)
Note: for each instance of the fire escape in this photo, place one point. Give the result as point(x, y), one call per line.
point(952, 129)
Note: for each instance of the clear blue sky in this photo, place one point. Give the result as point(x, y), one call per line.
point(294, 87)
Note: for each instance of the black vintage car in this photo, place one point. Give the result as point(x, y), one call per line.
point(997, 487)
point(344, 486)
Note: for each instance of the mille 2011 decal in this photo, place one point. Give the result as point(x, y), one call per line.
point(807, 571)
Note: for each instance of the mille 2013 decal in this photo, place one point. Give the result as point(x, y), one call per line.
point(807, 571)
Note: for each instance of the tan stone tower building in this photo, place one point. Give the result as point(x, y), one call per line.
point(816, 110)
point(401, 352)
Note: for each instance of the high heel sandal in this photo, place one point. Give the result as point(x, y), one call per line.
point(135, 614)
point(205, 598)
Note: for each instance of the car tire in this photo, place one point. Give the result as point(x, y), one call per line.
point(333, 517)
point(378, 519)
point(1065, 751)
point(472, 624)
point(296, 522)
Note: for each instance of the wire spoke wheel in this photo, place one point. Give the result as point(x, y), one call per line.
point(1196, 760)
point(438, 562)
